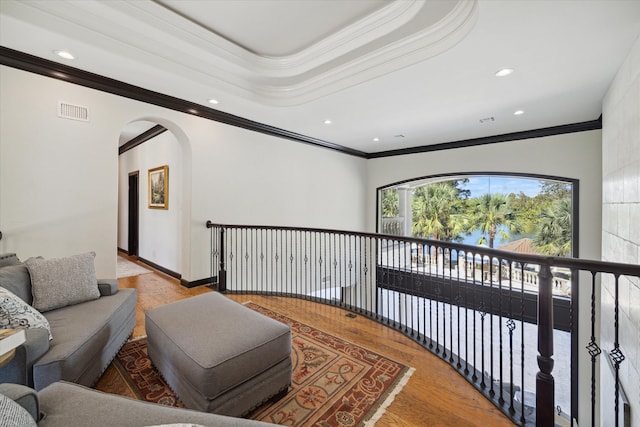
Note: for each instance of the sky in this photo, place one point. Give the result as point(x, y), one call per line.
point(498, 184)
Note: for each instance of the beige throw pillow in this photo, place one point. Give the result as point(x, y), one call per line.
point(59, 282)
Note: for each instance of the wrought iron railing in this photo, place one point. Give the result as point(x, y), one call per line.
point(490, 314)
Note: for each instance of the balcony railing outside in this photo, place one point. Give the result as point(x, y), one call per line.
point(476, 308)
point(393, 226)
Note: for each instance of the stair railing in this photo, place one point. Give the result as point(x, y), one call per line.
point(474, 307)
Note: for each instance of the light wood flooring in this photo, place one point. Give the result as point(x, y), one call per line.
point(436, 395)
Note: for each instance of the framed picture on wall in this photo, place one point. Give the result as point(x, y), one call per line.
point(159, 187)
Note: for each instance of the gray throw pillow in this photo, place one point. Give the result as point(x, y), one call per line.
point(59, 282)
point(13, 414)
point(17, 314)
point(16, 279)
point(8, 259)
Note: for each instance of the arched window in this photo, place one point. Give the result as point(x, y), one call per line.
point(530, 214)
point(525, 213)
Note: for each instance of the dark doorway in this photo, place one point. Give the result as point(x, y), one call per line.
point(133, 213)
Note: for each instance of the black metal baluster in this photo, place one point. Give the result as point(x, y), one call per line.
point(482, 311)
point(273, 261)
point(466, 316)
point(522, 353)
point(315, 268)
point(458, 301)
point(511, 325)
point(251, 285)
point(279, 256)
point(501, 348)
point(451, 302)
point(235, 275)
point(474, 377)
point(322, 247)
point(593, 348)
point(431, 297)
point(240, 258)
point(616, 355)
point(424, 316)
point(350, 282)
point(491, 311)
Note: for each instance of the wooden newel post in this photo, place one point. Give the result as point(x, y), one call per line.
point(545, 387)
point(222, 272)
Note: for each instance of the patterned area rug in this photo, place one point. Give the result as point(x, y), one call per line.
point(335, 382)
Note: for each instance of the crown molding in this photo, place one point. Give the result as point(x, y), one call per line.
point(142, 138)
point(34, 64)
point(507, 137)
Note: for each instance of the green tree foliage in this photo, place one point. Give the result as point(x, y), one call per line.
point(389, 204)
point(492, 213)
point(555, 190)
point(554, 234)
point(527, 210)
point(436, 211)
point(444, 211)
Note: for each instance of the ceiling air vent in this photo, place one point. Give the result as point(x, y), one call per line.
point(73, 112)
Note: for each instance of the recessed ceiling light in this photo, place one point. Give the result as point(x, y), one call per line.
point(213, 101)
point(64, 54)
point(376, 139)
point(504, 72)
point(327, 122)
point(518, 112)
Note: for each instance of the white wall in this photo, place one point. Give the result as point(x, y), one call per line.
point(59, 178)
point(159, 237)
point(575, 155)
point(621, 222)
point(271, 181)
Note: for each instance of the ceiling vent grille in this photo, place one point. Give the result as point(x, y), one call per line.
point(73, 112)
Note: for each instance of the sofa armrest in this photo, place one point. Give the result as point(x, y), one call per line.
point(20, 369)
point(108, 287)
point(23, 396)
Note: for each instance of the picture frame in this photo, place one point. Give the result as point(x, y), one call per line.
point(159, 187)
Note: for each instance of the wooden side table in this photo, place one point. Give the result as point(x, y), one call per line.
point(10, 339)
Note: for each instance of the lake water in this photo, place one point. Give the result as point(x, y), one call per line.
point(473, 238)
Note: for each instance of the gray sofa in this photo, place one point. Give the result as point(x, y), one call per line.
point(86, 335)
point(70, 405)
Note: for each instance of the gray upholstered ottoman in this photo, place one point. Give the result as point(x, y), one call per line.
point(217, 355)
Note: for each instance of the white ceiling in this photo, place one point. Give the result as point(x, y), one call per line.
point(408, 72)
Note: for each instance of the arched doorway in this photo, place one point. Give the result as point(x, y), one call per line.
point(161, 236)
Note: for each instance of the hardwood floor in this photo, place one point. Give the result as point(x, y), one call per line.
point(436, 395)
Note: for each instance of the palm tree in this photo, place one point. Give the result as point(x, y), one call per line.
point(389, 203)
point(491, 214)
point(435, 208)
point(554, 235)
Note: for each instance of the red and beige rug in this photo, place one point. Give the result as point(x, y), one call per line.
point(335, 382)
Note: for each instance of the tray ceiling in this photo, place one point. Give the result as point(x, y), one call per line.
point(388, 74)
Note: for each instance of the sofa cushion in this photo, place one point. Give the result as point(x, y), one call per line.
point(13, 414)
point(86, 338)
point(16, 314)
point(16, 279)
point(59, 282)
point(9, 259)
point(67, 405)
